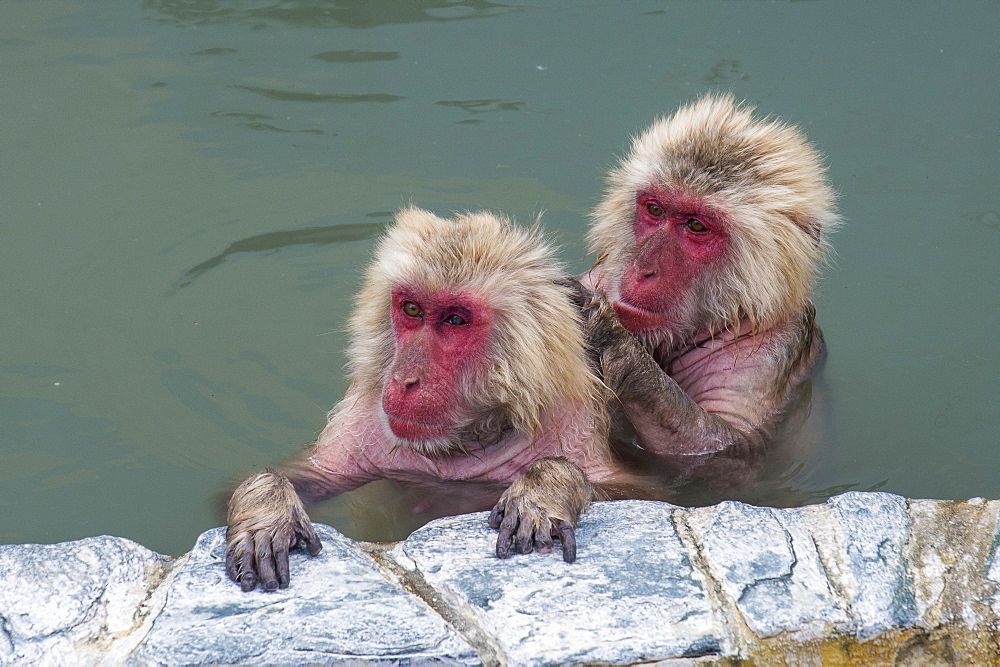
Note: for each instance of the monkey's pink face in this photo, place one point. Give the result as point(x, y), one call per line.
point(441, 338)
point(678, 237)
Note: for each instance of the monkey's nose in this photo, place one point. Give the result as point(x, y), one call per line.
point(648, 273)
point(409, 383)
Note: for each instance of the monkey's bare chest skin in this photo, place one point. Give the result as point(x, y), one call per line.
point(356, 453)
point(709, 408)
point(720, 373)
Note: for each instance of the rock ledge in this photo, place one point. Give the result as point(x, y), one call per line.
point(871, 577)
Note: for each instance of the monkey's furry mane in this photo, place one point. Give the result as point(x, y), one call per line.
point(538, 356)
point(761, 173)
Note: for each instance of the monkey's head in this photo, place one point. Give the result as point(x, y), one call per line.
point(713, 218)
point(462, 331)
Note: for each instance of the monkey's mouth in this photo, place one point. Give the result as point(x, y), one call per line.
point(415, 430)
point(638, 319)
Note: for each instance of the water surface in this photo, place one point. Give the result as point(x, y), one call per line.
point(189, 191)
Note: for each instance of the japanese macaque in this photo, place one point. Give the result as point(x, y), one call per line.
point(709, 239)
point(467, 363)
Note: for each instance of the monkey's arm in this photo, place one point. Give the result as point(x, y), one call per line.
point(722, 436)
point(544, 502)
point(680, 432)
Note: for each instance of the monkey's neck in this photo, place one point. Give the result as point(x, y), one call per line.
point(483, 430)
point(670, 352)
point(494, 429)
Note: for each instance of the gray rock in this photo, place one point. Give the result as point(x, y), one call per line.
point(631, 595)
point(866, 577)
point(338, 608)
point(874, 528)
point(769, 568)
point(954, 563)
point(86, 601)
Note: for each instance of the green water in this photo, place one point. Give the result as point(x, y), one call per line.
point(188, 191)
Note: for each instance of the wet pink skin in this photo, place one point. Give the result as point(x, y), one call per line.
point(358, 450)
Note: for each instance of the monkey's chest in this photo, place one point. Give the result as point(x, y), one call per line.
point(500, 463)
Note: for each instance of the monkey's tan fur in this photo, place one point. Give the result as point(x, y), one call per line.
point(265, 489)
point(572, 496)
point(538, 357)
point(762, 175)
point(265, 505)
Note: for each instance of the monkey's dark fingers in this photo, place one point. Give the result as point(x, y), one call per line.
point(281, 566)
point(245, 574)
point(543, 541)
point(568, 539)
point(239, 562)
point(265, 561)
point(496, 516)
point(306, 533)
point(578, 293)
point(231, 569)
point(602, 325)
point(526, 535)
point(505, 538)
point(283, 541)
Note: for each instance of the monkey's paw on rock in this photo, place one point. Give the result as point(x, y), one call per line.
point(866, 577)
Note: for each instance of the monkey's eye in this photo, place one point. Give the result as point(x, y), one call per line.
point(411, 309)
point(654, 209)
point(696, 225)
point(455, 320)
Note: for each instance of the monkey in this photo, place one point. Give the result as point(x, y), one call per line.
point(709, 238)
point(467, 363)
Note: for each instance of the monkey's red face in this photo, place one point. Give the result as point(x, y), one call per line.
point(678, 237)
point(441, 338)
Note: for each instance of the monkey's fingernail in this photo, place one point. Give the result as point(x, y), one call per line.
point(313, 547)
point(248, 583)
point(271, 585)
point(283, 581)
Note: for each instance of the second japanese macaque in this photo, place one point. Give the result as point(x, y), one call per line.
point(467, 364)
point(709, 238)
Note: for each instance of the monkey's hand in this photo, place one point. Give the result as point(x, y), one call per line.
point(606, 336)
point(581, 295)
point(543, 503)
point(266, 519)
point(601, 324)
point(601, 328)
